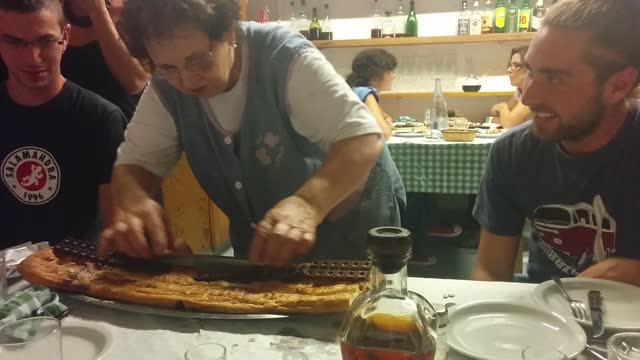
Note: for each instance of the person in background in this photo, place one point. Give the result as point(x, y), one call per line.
point(513, 112)
point(571, 171)
point(373, 70)
point(295, 177)
point(58, 142)
point(96, 57)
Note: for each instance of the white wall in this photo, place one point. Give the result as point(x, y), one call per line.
point(418, 66)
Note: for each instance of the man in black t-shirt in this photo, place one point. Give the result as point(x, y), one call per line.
point(58, 141)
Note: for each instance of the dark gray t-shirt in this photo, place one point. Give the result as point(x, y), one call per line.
point(582, 209)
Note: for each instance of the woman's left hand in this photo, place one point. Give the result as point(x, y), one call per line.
point(287, 230)
point(92, 7)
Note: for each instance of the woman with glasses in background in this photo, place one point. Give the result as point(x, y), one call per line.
point(513, 112)
point(273, 134)
point(373, 70)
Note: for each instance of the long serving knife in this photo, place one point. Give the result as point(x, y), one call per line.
point(595, 305)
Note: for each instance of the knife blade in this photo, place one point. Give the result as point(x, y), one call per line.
point(595, 307)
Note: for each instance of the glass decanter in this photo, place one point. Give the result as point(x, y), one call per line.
point(389, 322)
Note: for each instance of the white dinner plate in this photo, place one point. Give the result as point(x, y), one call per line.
point(409, 135)
point(83, 340)
point(501, 330)
point(487, 136)
point(621, 302)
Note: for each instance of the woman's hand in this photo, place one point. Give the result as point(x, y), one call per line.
point(287, 230)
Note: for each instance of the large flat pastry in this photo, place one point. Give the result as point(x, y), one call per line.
point(178, 289)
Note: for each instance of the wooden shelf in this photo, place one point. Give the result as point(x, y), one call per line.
point(447, 94)
point(455, 39)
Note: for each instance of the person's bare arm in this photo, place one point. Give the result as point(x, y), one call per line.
point(382, 120)
point(496, 257)
point(616, 269)
point(513, 117)
point(289, 228)
point(122, 65)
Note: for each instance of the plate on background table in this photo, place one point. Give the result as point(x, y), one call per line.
point(499, 330)
point(409, 135)
point(621, 302)
point(83, 340)
point(488, 135)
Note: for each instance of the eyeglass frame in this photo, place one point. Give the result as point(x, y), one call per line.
point(40, 44)
point(191, 66)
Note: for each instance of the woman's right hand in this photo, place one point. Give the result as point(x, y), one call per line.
point(141, 230)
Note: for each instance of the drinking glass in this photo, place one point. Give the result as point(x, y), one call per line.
point(31, 338)
point(540, 353)
point(624, 346)
point(4, 273)
point(206, 351)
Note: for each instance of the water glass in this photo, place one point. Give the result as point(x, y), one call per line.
point(207, 351)
point(540, 353)
point(624, 346)
point(31, 338)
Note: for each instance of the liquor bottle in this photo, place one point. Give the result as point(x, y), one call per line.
point(327, 28)
point(524, 14)
point(487, 17)
point(411, 25)
point(399, 20)
point(439, 114)
point(303, 19)
point(387, 25)
point(500, 17)
point(537, 15)
point(376, 21)
point(293, 18)
point(475, 20)
point(389, 321)
point(314, 27)
point(512, 17)
point(463, 20)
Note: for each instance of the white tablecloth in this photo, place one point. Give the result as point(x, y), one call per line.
point(142, 337)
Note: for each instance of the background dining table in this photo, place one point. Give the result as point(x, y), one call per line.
point(139, 336)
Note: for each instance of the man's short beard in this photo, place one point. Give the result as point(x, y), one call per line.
point(577, 130)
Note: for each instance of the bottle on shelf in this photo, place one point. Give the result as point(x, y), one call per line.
point(524, 14)
point(538, 13)
point(314, 26)
point(327, 28)
point(376, 21)
point(387, 25)
point(399, 20)
point(464, 19)
point(293, 18)
point(500, 17)
point(512, 17)
point(475, 20)
point(411, 25)
point(303, 19)
point(487, 17)
point(389, 321)
point(439, 115)
point(263, 14)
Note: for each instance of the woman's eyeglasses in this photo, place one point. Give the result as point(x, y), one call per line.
point(515, 66)
point(198, 65)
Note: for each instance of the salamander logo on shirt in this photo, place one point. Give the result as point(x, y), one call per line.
point(575, 236)
point(32, 175)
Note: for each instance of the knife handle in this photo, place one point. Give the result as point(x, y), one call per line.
point(595, 300)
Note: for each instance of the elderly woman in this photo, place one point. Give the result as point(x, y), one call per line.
point(513, 112)
point(373, 70)
point(273, 134)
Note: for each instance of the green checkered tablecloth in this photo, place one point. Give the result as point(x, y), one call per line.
point(440, 167)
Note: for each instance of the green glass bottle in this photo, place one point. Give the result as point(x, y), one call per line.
point(512, 17)
point(524, 14)
point(314, 27)
point(500, 17)
point(411, 26)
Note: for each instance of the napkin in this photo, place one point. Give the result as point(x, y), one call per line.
point(14, 256)
point(34, 301)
